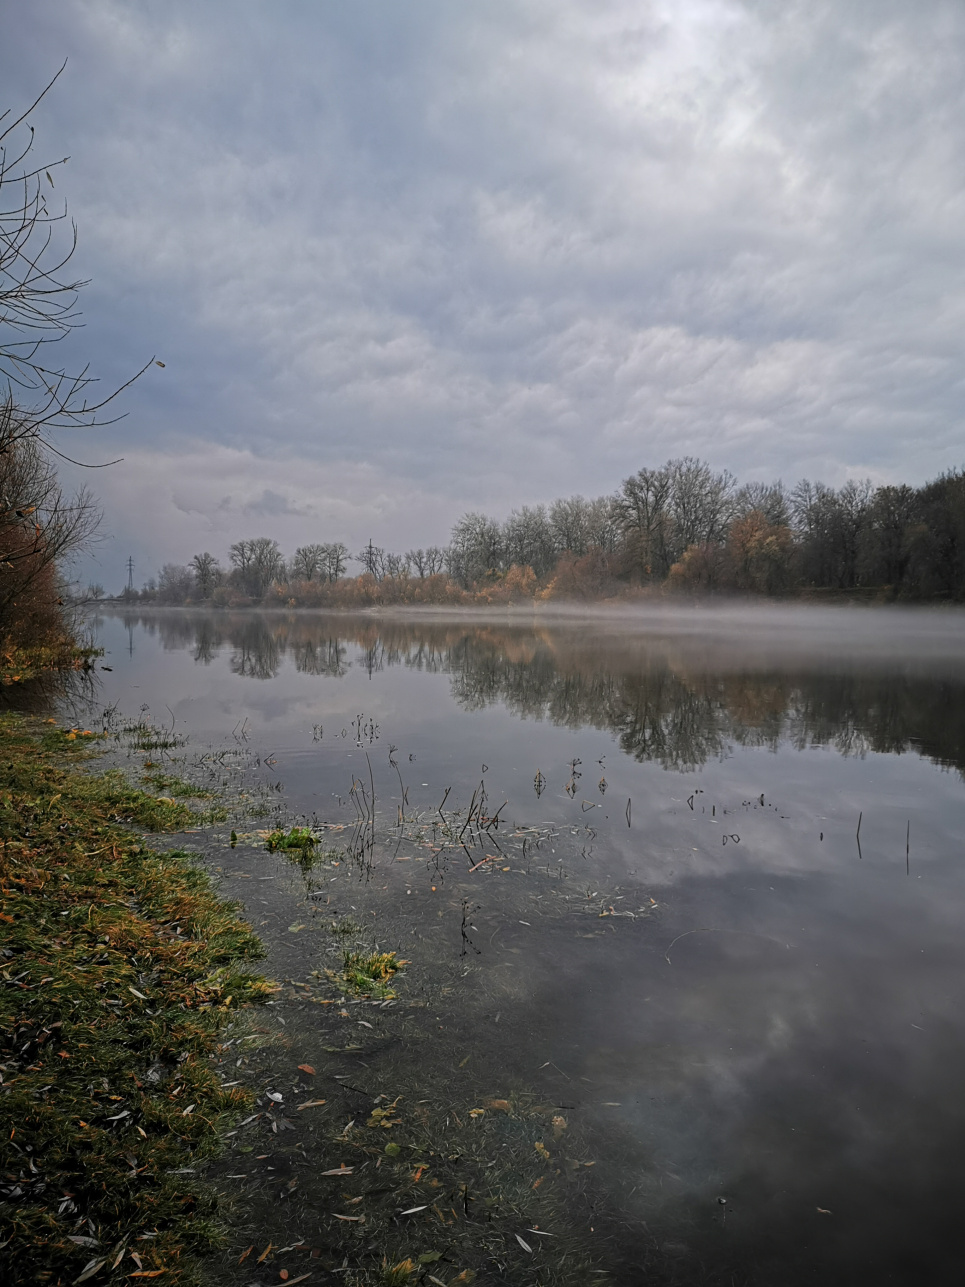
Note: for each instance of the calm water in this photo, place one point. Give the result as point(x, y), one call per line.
point(735, 993)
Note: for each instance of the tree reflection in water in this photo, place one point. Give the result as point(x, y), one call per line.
point(678, 700)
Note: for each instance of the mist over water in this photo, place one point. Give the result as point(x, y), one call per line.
point(757, 1015)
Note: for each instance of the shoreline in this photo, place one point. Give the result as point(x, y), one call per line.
point(121, 968)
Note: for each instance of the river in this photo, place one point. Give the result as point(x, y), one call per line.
point(694, 879)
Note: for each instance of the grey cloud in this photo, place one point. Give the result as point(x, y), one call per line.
point(272, 504)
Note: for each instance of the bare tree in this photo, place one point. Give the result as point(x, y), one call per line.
point(602, 523)
point(829, 526)
point(475, 549)
point(38, 297)
point(397, 565)
point(257, 563)
point(372, 558)
point(700, 503)
point(527, 539)
point(308, 563)
point(39, 525)
point(568, 519)
point(643, 507)
point(336, 560)
point(207, 573)
point(427, 562)
point(769, 499)
point(174, 583)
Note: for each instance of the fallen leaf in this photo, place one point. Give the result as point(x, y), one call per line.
point(90, 1269)
point(413, 1210)
point(525, 1245)
point(823, 1211)
point(306, 1068)
point(264, 1254)
point(245, 1254)
point(340, 1170)
point(355, 1219)
point(310, 1103)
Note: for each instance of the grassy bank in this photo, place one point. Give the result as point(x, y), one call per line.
point(119, 968)
point(19, 664)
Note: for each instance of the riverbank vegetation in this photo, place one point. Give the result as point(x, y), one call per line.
point(120, 969)
point(682, 527)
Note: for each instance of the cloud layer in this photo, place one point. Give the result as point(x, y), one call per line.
point(401, 261)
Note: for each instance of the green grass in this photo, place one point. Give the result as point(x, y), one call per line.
point(119, 970)
point(301, 846)
point(20, 664)
point(174, 786)
point(296, 838)
point(144, 736)
point(369, 974)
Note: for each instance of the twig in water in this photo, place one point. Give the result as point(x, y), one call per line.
point(440, 808)
point(372, 780)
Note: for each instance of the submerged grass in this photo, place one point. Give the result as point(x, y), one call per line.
point(297, 838)
point(119, 968)
point(369, 973)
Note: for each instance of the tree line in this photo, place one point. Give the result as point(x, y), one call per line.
point(681, 526)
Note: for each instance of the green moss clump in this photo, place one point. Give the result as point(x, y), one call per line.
point(369, 974)
point(297, 838)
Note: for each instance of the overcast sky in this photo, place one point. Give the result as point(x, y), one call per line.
point(405, 258)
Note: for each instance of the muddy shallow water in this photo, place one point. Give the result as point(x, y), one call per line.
point(691, 910)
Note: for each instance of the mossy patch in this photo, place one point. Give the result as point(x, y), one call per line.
point(298, 838)
point(369, 974)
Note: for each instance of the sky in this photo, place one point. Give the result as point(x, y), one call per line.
point(407, 258)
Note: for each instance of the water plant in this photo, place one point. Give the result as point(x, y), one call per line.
point(298, 838)
point(369, 974)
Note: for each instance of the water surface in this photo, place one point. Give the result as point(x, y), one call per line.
point(750, 1005)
